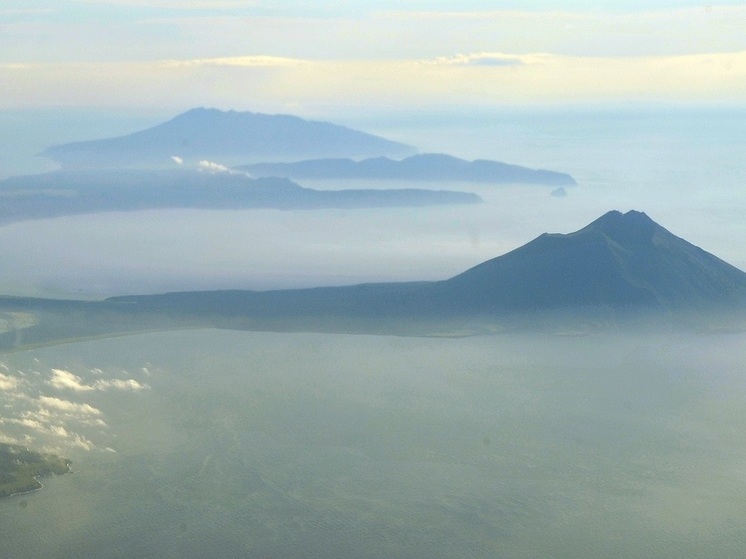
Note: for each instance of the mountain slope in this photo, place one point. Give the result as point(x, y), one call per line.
point(227, 136)
point(619, 261)
point(424, 167)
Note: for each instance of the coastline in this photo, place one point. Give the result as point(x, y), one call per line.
point(23, 474)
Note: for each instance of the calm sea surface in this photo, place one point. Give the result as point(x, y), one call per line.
point(265, 445)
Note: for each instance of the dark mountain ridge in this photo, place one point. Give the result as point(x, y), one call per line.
point(94, 190)
point(227, 136)
point(619, 268)
point(424, 167)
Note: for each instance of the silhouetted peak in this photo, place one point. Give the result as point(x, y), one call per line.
point(618, 260)
point(434, 157)
point(201, 113)
point(616, 225)
point(615, 218)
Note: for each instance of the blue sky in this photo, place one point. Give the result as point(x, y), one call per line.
point(304, 54)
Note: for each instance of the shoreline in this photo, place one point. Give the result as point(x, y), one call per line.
point(41, 485)
point(37, 480)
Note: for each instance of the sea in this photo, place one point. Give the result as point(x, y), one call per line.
point(215, 443)
point(210, 443)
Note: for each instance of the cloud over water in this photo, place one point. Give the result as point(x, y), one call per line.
point(54, 410)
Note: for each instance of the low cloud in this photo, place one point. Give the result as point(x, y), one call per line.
point(62, 379)
point(239, 61)
point(69, 407)
point(119, 384)
point(9, 440)
point(55, 430)
point(216, 168)
point(176, 159)
point(65, 380)
point(73, 439)
point(16, 66)
point(462, 79)
point(29, 417)
point(8, 382)
point(481, 59)
point(180, 4)
point(24, 422)
point(212, 167)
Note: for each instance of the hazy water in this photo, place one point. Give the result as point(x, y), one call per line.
point(683, 167)
point(24, 134)
point(304, 445)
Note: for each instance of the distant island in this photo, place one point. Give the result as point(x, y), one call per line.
point(86, 191)
point(229, 137)
point(19, 468)
point(621, 269)
point(432, 167)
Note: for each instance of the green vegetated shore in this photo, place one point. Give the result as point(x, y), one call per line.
point(19, 468)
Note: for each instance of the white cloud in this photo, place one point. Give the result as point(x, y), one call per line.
point(24, 422)
point(176, 159)
point(62, 379)
point(8, 382)
point(215, 168)
point(212, 167)
point(69, 407)
point(481, 59)
point(24, 11)
point(48, 421)
point(71, 438)
point(478, 78)
point(8, 439)
point(179, 4)
point(239, 61)
point(65, 380)
point(119, 384)
point(15, 66)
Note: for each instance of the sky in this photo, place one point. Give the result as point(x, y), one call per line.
point(302, 57)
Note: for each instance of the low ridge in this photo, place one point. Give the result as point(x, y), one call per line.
point(422, 167)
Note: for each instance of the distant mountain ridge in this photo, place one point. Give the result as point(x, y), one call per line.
point(230, 137)
point(93, 190)
point(424, 167)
